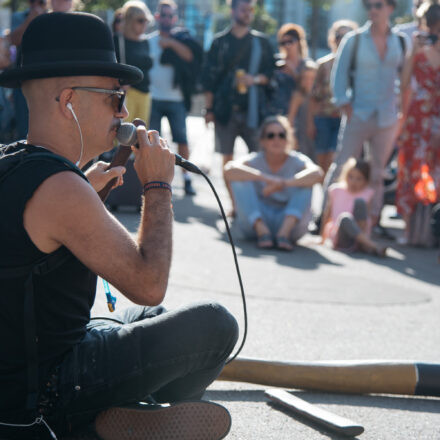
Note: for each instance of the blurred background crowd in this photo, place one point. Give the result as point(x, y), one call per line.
point(342, 93)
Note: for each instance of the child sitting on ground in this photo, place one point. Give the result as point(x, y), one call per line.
point(346, 220)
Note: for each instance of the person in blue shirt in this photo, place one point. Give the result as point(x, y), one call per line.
point(367, 94)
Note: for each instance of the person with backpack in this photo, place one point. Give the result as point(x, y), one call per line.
point(236, 76)
point(364, 81)
point(177, 59)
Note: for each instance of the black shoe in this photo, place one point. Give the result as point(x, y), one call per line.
point(189, 190)
point(197, 420)
point(315, 226)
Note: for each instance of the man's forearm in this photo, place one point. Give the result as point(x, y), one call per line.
point(209, 100)
point(182, 51)
point(155, 235)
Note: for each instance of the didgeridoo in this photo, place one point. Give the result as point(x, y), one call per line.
point(356, 377)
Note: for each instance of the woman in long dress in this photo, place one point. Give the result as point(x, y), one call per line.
point(419, 144)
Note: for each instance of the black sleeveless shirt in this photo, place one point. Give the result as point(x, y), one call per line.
point(63, 297)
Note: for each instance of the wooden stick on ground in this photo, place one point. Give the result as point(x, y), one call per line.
point(318, 415)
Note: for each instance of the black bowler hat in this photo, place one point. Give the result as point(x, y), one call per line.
point(68, 44)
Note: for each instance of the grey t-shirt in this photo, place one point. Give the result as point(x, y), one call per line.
point(295, 163)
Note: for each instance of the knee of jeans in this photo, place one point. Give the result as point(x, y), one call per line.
point(219, 322)
point(239, 188)
point(345, 219)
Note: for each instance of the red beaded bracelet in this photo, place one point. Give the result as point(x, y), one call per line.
point(157, 185)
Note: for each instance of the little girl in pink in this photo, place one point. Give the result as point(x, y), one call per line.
point(346, 220)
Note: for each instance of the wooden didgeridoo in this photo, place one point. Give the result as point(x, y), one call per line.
point(356, 377)
point(120, 158)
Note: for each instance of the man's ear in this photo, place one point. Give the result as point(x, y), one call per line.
point(65, 98)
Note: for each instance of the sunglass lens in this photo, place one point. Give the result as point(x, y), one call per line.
point(273, 135)
point(118, 101)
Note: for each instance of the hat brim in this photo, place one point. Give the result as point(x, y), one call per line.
point(126, 74)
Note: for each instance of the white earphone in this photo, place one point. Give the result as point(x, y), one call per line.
point(69, 106)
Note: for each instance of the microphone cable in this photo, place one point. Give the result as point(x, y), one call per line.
point(127, 135)
point(237, 267)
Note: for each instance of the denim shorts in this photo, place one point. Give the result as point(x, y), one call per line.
point(175, 112)
point(327, 130)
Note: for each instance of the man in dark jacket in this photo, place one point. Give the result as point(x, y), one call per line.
point(176, 60)
point(235, 77)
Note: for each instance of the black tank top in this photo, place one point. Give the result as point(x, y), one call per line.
point(63, 297)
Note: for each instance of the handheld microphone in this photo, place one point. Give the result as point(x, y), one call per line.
point(127, 135)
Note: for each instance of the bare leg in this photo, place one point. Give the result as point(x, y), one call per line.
point(263, 234)
point(369, 246)
point(184, 152)
point(227, 158)
point(324, 161)
point(284, 232)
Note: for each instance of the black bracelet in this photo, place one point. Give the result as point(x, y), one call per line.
point(156, 184)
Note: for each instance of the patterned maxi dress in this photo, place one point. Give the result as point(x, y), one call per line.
point(419, 158)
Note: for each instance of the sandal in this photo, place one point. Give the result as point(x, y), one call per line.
point(284, 244)
point(264, 241)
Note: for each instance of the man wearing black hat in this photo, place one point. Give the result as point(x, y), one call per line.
point(58, 369)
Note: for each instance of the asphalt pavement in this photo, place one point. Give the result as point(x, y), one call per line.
point(312, 304)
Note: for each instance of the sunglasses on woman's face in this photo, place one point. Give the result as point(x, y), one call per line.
point(273, 135)
point(287, 42)
point(377, 5)
point(141, 20)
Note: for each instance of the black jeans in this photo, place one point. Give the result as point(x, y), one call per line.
point(170, 355)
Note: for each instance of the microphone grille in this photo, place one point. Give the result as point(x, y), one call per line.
point(126, 134)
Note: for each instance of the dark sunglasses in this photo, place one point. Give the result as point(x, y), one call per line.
point(141, 20)
point(164, 15)
point(118, 96)
point(377, 5)
point(272, 135)
point(287, 42)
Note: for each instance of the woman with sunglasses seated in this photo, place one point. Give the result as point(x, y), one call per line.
point(273, 188)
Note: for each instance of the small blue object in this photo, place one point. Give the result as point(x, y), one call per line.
point(111, 300)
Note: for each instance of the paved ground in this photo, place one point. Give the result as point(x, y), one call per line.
point(312, 304)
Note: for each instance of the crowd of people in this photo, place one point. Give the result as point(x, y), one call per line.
point(373, 98)
point(349, 112)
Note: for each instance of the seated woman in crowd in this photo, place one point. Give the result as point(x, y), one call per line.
point(273, 188)
point(324, 117)
point(346, 220)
